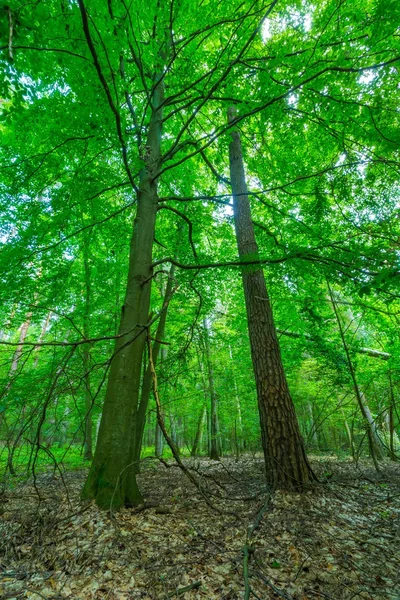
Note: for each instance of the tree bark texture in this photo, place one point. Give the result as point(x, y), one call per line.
point(285, 458)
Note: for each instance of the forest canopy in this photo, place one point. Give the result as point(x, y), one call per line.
point(200, 309)
point(163, 165)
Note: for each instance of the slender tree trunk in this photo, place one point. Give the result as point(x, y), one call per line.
point(4, 332)
point(207, 415)
point(313, 429)
point(199, 431)
point(238, 418)
point(112, 478)
point(392, 434)
point(373, 447)
point(41, 338)
point(22, 419)
point(350, 437)
point(174, 432)
point(379, 448)
point(159, 444)
point(88, 425)
point(22, 336)
point(13, 369)
point(147, 378)
point(208, 432)
point(214, 424)
point(285, 458)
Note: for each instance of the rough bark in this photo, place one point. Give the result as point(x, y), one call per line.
point(112, 479)
point(285, 458)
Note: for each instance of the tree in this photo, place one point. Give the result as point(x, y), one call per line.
point(285, 458)
point(110, 111)
point(215, 445)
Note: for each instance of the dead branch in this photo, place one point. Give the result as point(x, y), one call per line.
point(248, 549)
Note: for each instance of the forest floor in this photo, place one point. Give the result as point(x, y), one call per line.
point(338, 540)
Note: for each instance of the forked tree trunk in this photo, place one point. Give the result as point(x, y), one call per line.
point(285, 458)
point(147, 378)
point(112, 478)
point(214, 423)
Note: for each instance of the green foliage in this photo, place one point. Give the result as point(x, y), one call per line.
point(316, 91)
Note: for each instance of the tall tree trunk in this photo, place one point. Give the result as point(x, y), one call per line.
point(11, 375)
point(88, 425)
point(285, 458)
point(214, 424)
point(390, 414)
point(378, 445)
point(25, 422)
point(112, 478)
point(159, 443)
point(313, 435)
point(374, 448)
point(147, 378)
point(238, 432)
point(41, 338)
point(199, 431)
point(174, 431)
point(350, 437)
point(22, 336)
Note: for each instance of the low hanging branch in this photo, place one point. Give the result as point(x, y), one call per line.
point(166, 435)
point(358, 392)
point(189, 223)
point(368, 351)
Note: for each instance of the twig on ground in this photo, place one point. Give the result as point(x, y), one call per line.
point(187, 588)
point(248, 549)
